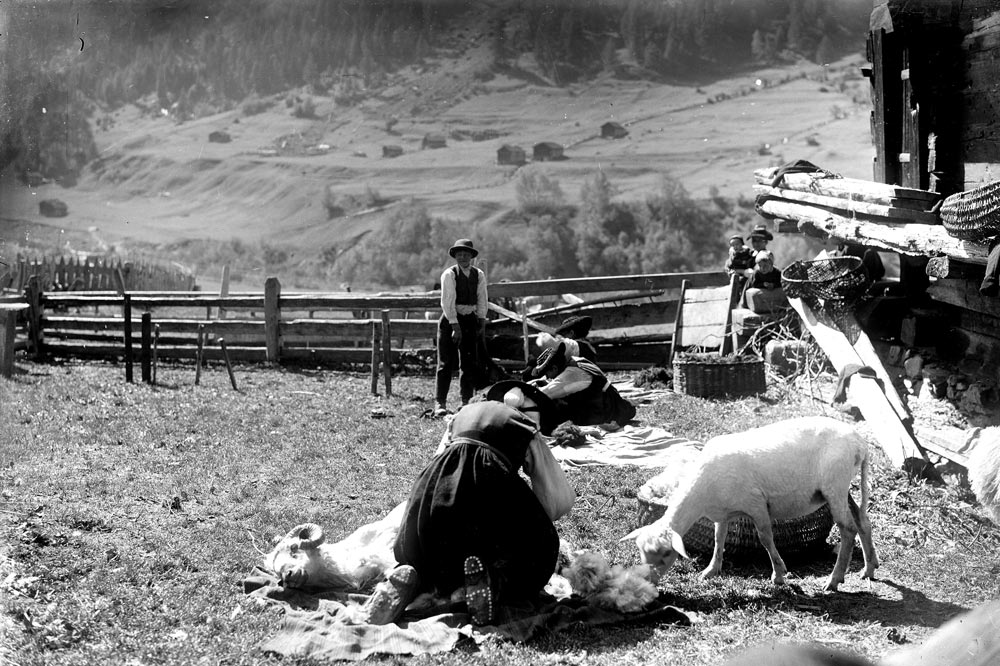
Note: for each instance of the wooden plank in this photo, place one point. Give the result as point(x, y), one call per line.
point(678, 323)
point(854, 189)
point(849, 206)
point(943, 443)
point(651, 282)
point(911, 239)
point(518, 318)
point(272, 318)
point(953, 269)
point(891, 433)
point(963, 294)
point(706, 312)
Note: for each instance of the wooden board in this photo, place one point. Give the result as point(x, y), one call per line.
point(891, 433)
point(847, 188)
point(850, 206)
point(704, 318)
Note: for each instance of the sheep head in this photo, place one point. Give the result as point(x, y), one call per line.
point(657, 548)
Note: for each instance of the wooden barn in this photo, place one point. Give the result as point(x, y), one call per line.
point(434, 140)
point(613, 130)
point(933, 67)
point(392, 151)
point(510, 154)
point(547, 151)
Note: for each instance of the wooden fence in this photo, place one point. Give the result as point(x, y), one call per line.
point(633, 327)
point(94, 274)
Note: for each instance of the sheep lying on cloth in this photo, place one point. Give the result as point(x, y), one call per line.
point(984, 470)
point(781, 471)
point(301, 559)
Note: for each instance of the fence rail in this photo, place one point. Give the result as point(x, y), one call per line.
point(633, 325)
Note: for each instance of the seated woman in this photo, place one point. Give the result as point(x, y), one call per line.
point(585, 395)
point(472, 522)
point(763, 292)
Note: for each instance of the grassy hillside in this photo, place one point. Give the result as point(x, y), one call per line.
point(303, 178)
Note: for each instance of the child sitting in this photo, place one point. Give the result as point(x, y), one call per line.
point(763, 292)
point(741, 259)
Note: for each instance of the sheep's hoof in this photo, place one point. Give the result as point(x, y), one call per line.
point(708, 573)
point(832, 585)
point(778, 580)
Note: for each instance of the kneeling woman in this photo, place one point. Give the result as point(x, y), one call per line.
point(472, 521)
point(582, 392)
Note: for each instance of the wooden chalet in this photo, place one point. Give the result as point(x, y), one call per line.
point(547, 151)
point(434, 140)
point(932, 66)
point(510, 154)
point(613, 130)
point(392, 151)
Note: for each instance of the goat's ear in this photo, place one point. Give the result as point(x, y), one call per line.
point(631, 536)
point(677, 543)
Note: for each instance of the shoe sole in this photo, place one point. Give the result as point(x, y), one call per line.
point(391, 597)
point(478, 594)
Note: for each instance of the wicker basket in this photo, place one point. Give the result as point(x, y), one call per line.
point(710, 375)
point(973, 215)
point(832, 279)
point(794, 538)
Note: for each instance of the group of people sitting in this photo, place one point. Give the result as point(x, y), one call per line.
point(754, 267)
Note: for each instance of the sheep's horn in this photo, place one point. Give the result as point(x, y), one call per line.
point(310, 535)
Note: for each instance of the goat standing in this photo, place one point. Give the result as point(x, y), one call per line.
point(777, 472)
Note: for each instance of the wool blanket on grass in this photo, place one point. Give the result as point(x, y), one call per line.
point(645, 446)
point(312, 628)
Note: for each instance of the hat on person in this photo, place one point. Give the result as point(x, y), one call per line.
point(462, 244)
point(735, 237)
point(762, 255)
point(761, 231)
point(553, 357)
point(529, 398)
point(578, 326)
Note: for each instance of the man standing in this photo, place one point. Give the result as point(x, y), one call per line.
point(463, 324)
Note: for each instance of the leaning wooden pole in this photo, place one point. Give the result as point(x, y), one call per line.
point(387, 353)
point(229, 366)
point(127, 321)
point(375, 356)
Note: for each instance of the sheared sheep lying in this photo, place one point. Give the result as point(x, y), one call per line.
point(984, 471)
point(301, 559)
point(781, 471)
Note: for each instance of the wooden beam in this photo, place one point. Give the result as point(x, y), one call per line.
point(590, 285)
point(891, 433)
point(963, 294)
point(910, 239)
point(518, 318)
point(854, 189)
point(849, 206)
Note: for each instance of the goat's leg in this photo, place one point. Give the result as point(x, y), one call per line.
point(839, 509)
point(865, 534)
point(715, 566)
point(762, 521)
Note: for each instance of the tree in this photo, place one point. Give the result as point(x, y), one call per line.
point(536, 192)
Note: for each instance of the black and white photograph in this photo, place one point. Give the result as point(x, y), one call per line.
point(500, 332)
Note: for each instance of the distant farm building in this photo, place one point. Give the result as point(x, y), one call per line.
point(547, 151)
point(219, 136)
point(613, 130)
point(508, 154)
point(434, 140)
point(392, 151)
point(53, 208)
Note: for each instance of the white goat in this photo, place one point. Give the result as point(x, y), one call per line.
point(984, 470)
point(781, 471)
point(301, 559)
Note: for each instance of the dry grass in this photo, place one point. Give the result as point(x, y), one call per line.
point(132, 513)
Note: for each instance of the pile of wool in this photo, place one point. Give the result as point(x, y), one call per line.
point(568, 434)
point(628, 590)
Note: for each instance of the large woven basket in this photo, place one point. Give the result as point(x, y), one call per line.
point(796, 537)
point(710, 375)
point(832, 279)
point(973, 215)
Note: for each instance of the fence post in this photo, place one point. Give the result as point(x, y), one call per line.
point(224, 290)
point(272, 318)
point(524, 331)
point(8, 331)
point(156, 347)
point(375, 356)
point(127, 317)
point(33, 293)
point(229, 366)
point(198, 354)
point(146, 357)
point(387, 353)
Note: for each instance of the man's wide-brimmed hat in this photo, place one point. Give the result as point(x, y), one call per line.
point(548, 410)
point(462, 244)
point(578, 326)
point(761, 231)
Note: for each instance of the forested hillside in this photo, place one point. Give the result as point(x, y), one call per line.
point(196, 57)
